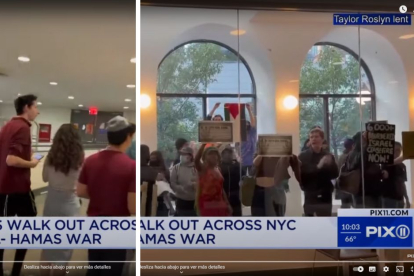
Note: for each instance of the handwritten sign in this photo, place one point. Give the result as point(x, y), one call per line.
point(408, 144)
point(215, 132)
point(275, 145)
point(381, 140)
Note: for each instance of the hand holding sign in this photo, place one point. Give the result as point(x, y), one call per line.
point(380, 143)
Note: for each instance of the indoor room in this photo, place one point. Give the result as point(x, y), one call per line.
point(79, 60)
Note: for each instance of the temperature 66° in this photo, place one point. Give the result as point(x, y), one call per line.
point(350, 238)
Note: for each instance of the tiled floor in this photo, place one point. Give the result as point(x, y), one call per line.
point(79, 257)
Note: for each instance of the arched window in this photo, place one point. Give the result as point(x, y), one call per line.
point(192, 79)
point(329, 94)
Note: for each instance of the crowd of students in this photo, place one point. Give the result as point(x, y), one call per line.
point(207, 181)
point(107, 179)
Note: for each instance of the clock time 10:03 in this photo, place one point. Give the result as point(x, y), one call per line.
point(352, 227)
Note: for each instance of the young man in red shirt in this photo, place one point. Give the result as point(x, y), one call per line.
point(16, 197)
point(108, 180)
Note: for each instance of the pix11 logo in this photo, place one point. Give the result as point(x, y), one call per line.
point(401, 232)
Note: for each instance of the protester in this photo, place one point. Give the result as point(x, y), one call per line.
point(395, 191)
point(248, 147)
point(184, 184)
point(306, 145)
point(346, 198)
point(97, 180)
point(211, 201)
point(179, 144)
point(370, 190)
point(231, 171)
point(318, 169)
point(16, 160)
point(216, 117)
point(157, 163)
point(269, 197)
point(61, 171)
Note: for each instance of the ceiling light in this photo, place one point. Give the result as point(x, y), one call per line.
point(53, 83)
point(81, 105)
point(131, 85)
point(133, 60)
point(126, 107)
point(238, 32)
point(71, 97)
point(19, 94)
point(408, 36)
point(39, 103)
point(23, 59)
point(145, 101)
point(1, 101)
point(127, 100)
point(290, 102)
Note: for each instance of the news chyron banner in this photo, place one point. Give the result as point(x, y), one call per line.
point(353, 228)
point(68, 233)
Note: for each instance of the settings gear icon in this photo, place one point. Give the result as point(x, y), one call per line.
point(386, 269)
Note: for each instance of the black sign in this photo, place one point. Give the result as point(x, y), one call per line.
point(380, 143)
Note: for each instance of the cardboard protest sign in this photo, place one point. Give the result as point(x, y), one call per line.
point(408, 144)
point(275, 145)
point(380, 143)
point(215, 132)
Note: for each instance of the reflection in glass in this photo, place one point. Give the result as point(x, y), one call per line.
point(344, 120)
point(311, 115)
point(201, 68)
point(177, 118)
point(330, 97)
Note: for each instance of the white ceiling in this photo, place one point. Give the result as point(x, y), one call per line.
point(87, 53)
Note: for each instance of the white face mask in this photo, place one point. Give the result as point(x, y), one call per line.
point(185, 159)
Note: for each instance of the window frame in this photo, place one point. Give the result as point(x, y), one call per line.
point(205, 96)
point(326, 97)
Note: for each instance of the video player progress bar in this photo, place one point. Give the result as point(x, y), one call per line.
point(351, 232)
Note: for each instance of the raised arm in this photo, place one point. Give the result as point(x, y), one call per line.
point(399, 160)
point(210, 115)
point(251, 115)
point(197, 159)
point(257, 161)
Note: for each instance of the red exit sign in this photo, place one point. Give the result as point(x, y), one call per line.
point(93, 111)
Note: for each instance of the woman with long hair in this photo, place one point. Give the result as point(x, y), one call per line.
point(61, 171)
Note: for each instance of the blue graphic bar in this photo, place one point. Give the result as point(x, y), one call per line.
point(371, 19)
point(375, 232)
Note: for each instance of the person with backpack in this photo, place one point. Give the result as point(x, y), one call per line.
point(184, 184)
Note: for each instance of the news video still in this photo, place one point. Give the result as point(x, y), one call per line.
point(276, 138)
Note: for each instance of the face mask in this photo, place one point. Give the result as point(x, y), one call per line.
point(185, 159)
